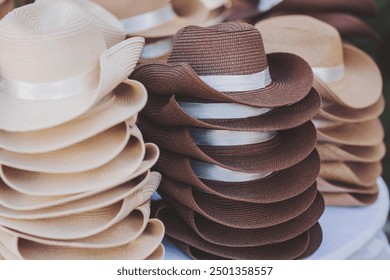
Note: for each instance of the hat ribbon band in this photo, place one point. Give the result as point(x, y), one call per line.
point(52, 90)
point(157, 49)
point(266, 5)
point(216, 173)
point(221, 110)
point(329, 74)
point(212, 137)
point(148, 20)
point(238, 83)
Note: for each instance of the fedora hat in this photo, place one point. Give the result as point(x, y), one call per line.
point(325, 186)
point(156, 18)
point(127, 100)
point(167, 110)
point(18, 201)
point(140, 248)
point(115, 172)
point(270, 189)
point(253, 152)
point(237, 214)
point(35, 93)
point(228, 65)
point(233, 237)
point(333, 152)
point(349, 199)
point(338, 69)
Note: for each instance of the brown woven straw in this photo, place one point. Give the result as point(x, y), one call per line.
point(5, 7)
point(348, 199)
point(271, 189)
point(226, 49)
point(326, 186)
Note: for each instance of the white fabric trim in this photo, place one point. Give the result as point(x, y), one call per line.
point(266, 5)
point(213, 4)
point(157, 49)
point(329, 74)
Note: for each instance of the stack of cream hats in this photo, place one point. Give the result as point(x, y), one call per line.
point(156, 20)
point(75, 180)
point(350, 133)
point(6, 6)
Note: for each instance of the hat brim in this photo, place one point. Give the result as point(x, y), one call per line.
point(290, 74)
point(158, 254)
point(325, 186)
point(349, 199)
point(6, 7)
point(116, 64)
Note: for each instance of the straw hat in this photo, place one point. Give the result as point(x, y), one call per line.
point(325, 186)
point(158, 254)
point(6, 6)
point(338, 67)
point(212, 71)
point(348, 199)
point(156, 18)
point(270, 189)
point(15, 200)
point(89, 71)
point(218, 11)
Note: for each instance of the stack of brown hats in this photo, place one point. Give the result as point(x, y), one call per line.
point(75, 180)
point(6, 6)
point(350, 132)
point(238, 153)
point(156, 20)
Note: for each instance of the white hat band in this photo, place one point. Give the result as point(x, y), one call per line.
point(266, 5)
point(329, 74)
point(157, 49)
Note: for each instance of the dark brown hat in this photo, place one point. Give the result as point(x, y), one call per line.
point(227, 63)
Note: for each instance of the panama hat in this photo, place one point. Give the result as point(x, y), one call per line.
point(227, 63)
point(155, 18)
point(349, 199)
point(233, 237)
point(141, 248)
point(167, 110)
point(158, 254)
point(114, 173)
point(36, 93)
point(338, 67)
point(270, 189)
point(332, 152)
point(266, 152)
point(325, 186)
point(15, 200)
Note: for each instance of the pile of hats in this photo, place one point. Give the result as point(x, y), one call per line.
point(344, 15)
point(350, 133)
point(6, 6)
point(238, 151)
point(75, 171)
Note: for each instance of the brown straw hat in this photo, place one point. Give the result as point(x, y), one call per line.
point(270, 189)
point(349, 199)
point(212, 71)
point(156, 18)
point(167, 110)
point(233, 237)
point(237, 214)
point(338, 69)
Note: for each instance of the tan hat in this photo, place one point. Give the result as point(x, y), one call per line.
point(343, 72)
point(34, 92)
point(15, 200)
point(158, 254)
point(6, 6)
point(156, 18)
point(325, 186)
point(349, 199)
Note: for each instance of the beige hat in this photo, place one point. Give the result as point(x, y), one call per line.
point(34, 92)
point(6, 6)
point(325, 186)
point(142, 247)
point(15, 200)
point(343, 72)
point(156, 255)
point(115, 172)
point(349, 199)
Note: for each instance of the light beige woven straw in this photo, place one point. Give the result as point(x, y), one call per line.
point(325, 186)
point(358, 83)
point(218, 11)
point(156, 255)
point(35, 93)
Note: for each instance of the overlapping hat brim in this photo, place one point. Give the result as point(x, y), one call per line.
point(289, 73)
point(127, 100)
point(332, 152)
point(349, 199)
point(267, 190)
point(158, 254)
point(285, 150)
point(326, 186)
point(116, 64)
point(361, 174)
point(114, 173)
point(369, 133)
point(323, 124)
point(141, 248)
point(167, 111)
point(352, 90)
point(233, 237)
point(237, 214)
point(15, 200)
point(5, 7)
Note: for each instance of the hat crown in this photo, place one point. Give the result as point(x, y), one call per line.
point(223, 49)
point(48, 42)
point(315, 41)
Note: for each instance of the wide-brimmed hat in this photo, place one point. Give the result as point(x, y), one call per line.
point(325, 186)
point(6, 6)
point(36, 93)
point(156, 18)
point(338, 67)
point(272, 188)
point(18, 201)
point(158, 254)
point(227, 63)
point(250, 152)
point(349, 199)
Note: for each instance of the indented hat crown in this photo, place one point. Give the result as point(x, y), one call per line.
point(222, 49)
